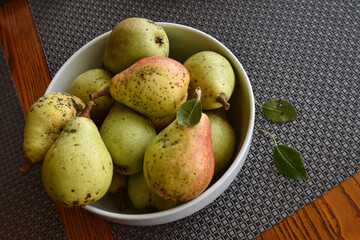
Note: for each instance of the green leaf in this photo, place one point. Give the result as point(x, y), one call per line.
point(190, 112)
point(288, 161)
point(278, 110)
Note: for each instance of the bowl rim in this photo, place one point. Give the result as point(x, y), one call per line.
point(208, 195)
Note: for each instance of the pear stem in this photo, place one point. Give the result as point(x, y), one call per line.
point(87, 109)
point(198, 93)
point(103, 92)
point(222, 99)
point(121, 195)
point(26, 167)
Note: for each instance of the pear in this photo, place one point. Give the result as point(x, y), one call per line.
point(223, 138)
point(90, 81)
point(133, 39)
point(77, 169)
point(214, 74)
point(46, 119)
point(118, 187)
point(154, 86)
point(126, 134)
point(142, 198)
point(118, 181)
point(179, 161)
point(161, 123)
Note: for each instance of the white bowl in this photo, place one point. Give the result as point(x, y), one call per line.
point(184, 41)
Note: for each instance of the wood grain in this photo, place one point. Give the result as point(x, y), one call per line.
point(31, 75)
point(335, 215)
point(23, 52)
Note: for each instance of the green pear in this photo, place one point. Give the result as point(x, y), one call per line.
point(126, 133)
point(154, 86)
point(142, 198)
point(223, 138)
point(91, 81)
point(133, 39)
point(118, 187)
point(214, 74)
point(46, 119)
point(179, 161)
point(77, 169)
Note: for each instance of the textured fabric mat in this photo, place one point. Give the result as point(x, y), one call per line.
point(306, 52)
point(26, 212)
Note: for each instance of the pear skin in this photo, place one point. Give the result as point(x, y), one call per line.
point(223, 138)
point(133, 39)
point(77, 169)
point(46, 119)
point(118, 181)
point(153, 86)
point(126, 133)
point(142, 198)
point(90, 81)
point(179, 162)
point(118, 187)
point(214, 74)
point(161, 123)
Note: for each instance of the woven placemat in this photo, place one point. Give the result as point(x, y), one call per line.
point(306, 52)
point(26, 212)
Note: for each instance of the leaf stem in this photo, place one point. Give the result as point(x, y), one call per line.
point(270, 135)
point(257, 103)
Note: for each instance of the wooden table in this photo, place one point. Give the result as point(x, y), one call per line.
point(335, 215)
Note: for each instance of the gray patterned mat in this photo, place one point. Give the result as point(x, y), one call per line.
point(26, 212)
point(306, 52)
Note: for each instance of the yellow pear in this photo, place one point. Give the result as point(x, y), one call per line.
point(77, 169)
point(45, 121)
point(214, 74)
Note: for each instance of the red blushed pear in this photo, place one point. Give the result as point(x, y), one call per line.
point(179, 162)
point(161, 123)
point(154, 86)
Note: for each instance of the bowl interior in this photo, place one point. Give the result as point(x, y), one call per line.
point(184, 42)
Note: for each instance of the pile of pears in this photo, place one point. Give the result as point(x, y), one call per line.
point(116, 130)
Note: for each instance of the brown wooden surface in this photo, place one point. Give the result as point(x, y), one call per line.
point(335, 215)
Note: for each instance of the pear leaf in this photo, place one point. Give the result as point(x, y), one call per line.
point(190, 112)
point(288, 161)
point(278, 110)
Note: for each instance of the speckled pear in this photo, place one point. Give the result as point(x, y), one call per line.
point(77, 169)
point(133, 39)
point(214, 74)
point(46, 119)
point(153, 86)
point(179, 162)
